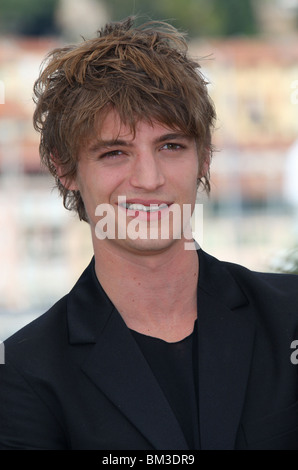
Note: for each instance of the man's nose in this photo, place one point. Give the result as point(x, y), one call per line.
point(147, 172)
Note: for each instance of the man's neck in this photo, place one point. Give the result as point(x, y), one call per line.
point(155, 294)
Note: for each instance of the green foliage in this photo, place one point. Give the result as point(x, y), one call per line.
point(196, 17)
point(237, 17)
point(27, 17)
point(288, 263)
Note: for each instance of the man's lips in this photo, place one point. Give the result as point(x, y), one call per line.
point(152, 205)
point(147, 202)
point(149, 209)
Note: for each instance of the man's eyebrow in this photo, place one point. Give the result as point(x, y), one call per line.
point(172, 136)
point(101, 144)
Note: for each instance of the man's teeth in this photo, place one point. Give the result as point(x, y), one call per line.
point(141, 207)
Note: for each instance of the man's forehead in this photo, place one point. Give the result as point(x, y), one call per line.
point(111, 127)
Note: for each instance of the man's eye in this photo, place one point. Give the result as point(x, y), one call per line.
point(172, 146)
point(111, 154)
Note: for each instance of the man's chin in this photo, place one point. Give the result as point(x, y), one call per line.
point(147, 246)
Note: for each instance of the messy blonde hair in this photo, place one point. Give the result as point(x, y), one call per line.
point(142, 72)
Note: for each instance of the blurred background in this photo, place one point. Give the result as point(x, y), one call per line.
point(249, 51)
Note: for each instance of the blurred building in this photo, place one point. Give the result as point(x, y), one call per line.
point(255, 88)
point(80, 19)
point(42, 247)
point(252, 86)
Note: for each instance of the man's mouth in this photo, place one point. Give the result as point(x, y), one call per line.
point(143, 207)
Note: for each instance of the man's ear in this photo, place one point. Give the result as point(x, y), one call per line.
point(204, 166)
point(68, 183)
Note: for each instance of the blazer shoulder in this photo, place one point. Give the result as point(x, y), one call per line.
point(244, 276)
point(52, 321)
point(272, 295)
point(48, 327)
point(287, 283)
point(264, 291)
point(74, 319)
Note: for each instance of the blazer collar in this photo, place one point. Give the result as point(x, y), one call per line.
point(88, 308)
point(216, 280)
point(118, 368)
point(120, 371)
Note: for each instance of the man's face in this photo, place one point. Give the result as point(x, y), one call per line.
point(143, 178)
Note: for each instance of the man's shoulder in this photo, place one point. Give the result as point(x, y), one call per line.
point(245, 272)
point(74, 318)
point(278, 281)
point(39, 333)
point(253, 284)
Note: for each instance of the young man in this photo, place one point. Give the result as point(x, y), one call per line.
point(157, 346)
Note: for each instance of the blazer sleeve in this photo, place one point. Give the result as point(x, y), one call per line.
point(26, 423)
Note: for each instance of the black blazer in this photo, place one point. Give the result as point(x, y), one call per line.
point(76, 379)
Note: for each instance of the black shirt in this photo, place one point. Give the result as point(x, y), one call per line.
point(173, 366)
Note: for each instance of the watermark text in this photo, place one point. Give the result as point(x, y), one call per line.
point(149, 222)
point(294, 355)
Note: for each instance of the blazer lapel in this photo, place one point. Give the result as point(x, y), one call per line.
point(225, 341)
point(119, 369)
point(117, 366)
